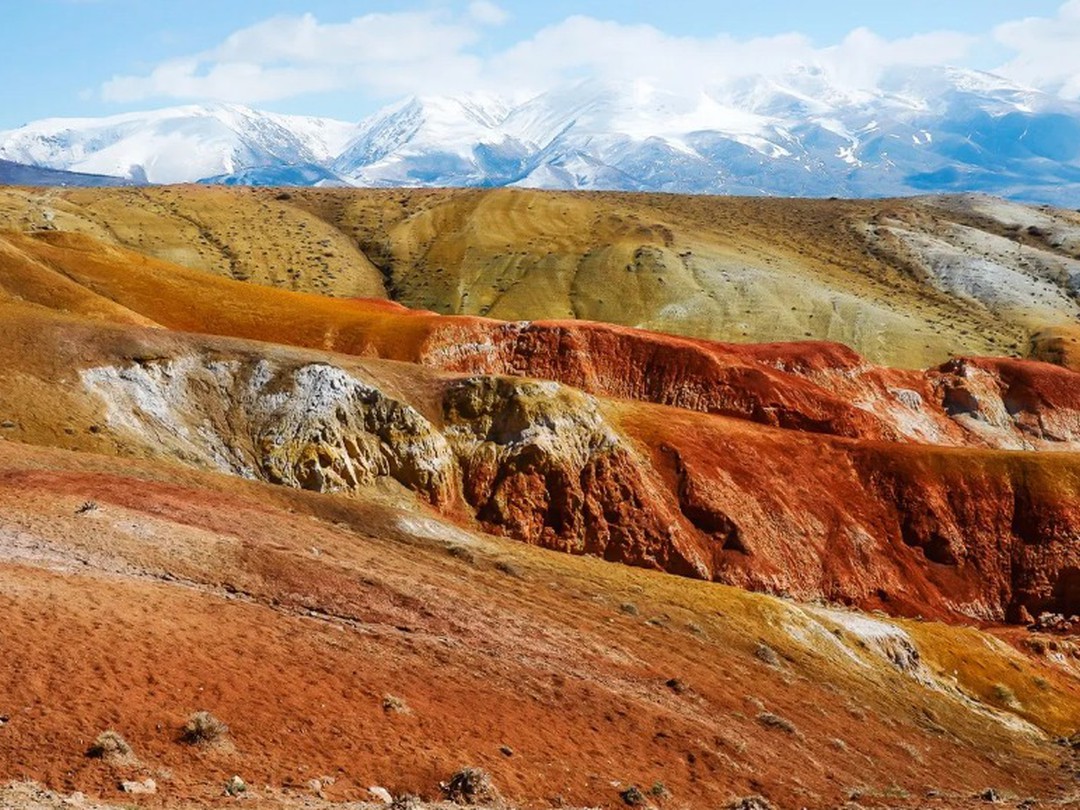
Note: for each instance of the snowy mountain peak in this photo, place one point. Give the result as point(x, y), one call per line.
point(803, 132)
point(175, 145)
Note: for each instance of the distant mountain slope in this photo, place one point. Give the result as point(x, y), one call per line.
point(176, 145)
point(797, 134)
point(19, 174)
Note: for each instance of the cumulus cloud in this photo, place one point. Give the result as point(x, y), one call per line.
point(487, 13)
point(584, 46)
point(1045, 50)
point(284, 57)
point(385, 55)
point(863, 55)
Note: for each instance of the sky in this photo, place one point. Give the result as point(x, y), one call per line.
point(345, 59)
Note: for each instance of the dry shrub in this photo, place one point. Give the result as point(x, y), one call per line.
point(202, 728)
point(111, 747)
point(471, 786)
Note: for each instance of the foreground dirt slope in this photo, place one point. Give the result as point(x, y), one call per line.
point(133, 598)
point(903, 282)
point(836, 479)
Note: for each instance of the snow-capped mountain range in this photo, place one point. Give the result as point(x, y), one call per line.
point(925, 130)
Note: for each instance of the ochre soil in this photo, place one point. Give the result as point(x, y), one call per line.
point(291, 615)
point(885, 277)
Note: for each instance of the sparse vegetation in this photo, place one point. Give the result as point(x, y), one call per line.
point(111, 747)
point(750, 803)
point(202, 728)
point(632, 796)
point(770, 720)
point(659, 791)
point(508, 568)
point(570, 639)
point(1004, 695)
point(462, 553)
point(471, 786)
point(763, 652)
point(86, 507)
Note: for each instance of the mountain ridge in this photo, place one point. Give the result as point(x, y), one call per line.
point(802, 133)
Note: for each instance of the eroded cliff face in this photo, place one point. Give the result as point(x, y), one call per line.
point(913, 529)
point(311, 426)
point(541, 462)
point(812, 387)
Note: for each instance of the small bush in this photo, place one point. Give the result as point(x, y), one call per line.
point(676, 686)
point(509, 569)
point(392, 704)
point(770, 720)
point(202, 728)
point(462, 553)
point(767, 654)
point(1005, 695)
point(111, 747)
point(632, 796)
point(86, 507)
point(750, 803)
point(471, 786)
point(406, 801)
point(659, 791)
point(629, 608)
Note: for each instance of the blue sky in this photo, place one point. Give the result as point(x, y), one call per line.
point(343, 59)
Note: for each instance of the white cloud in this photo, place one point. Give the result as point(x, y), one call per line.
point(282, 57)
point(584, 46)
point(1047, 50)
point(382, 56)
point(863, 55)
point(225, 81)
point(487, 13)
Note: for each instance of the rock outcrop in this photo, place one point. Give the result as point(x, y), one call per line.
point(910, 528)
point(311, 426)
point(541, 462)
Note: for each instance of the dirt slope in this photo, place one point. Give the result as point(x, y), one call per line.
point(903, 282)
point(292, 615)
point(802, 493)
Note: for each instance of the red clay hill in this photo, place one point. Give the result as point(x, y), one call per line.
point(331, 522)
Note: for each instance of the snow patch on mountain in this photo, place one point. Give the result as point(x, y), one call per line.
point(175, 145)
point(800, 133)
